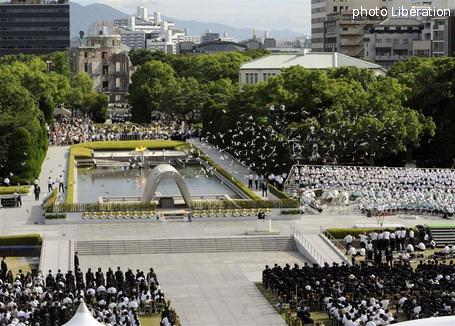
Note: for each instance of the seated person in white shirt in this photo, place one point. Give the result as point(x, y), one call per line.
point(410, 248)
point(421, 247)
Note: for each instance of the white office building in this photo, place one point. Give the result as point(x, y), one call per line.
point(260, 70)
point(151, 32)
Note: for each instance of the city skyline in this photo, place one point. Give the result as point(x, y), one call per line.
point(261, 14)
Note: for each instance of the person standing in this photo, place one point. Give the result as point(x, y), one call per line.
point(256, 182)
point(37, 192)
point(76, 260)
point(264, 189)
point(61, 184)
point(250, 181)
point(4, 268)
point(18, 199)
point(49, 184)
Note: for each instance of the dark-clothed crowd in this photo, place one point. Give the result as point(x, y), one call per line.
point(366, 294)
point(114, 297)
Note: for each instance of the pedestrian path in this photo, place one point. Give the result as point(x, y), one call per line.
point(230, 164)
point(31, 211)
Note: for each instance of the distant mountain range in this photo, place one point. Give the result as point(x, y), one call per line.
point(84, 16)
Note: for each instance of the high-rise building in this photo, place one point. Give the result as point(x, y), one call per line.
point(34, 26)
point(325, 11)
point(150, 32)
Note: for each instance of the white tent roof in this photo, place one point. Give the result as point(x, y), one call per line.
point(439, 321)
point(82, 317)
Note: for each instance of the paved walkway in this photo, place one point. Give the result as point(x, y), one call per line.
point(31, 212)
point(227, 162)
point(209, 289)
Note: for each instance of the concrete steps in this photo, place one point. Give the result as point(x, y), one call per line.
point(443, 236)
point(186, 245)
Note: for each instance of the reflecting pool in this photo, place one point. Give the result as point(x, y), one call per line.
point(94, 183)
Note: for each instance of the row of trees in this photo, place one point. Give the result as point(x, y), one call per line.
point(181, 85)
point(29, 94)
point(344, 115)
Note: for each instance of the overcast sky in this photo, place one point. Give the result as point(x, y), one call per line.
point(262, 14)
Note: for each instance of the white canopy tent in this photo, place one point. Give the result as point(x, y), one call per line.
point(438, 321)
point(83, 317)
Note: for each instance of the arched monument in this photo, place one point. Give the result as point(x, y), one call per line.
point(160, 173)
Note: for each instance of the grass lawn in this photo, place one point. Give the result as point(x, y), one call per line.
point(153, 320)
point(319, 317)
point(21, 263)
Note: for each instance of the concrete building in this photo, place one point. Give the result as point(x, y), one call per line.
point(443, 36)
point(34, 26)
point(392, 40)
point(150, 31)
point(133, 39)
point(269, 43)
point(263, 68)
point(320, 9)
point(218, 46)
point(345, 35)
point(210, 36)
point(105, 59)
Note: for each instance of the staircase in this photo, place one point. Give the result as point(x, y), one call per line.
point(328, 253)
point(443, 235)
point(186, 245)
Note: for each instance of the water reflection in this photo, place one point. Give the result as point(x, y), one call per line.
point(94, 183)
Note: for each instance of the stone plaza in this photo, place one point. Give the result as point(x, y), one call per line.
point(210, 278)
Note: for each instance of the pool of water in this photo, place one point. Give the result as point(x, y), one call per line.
point(94, 183)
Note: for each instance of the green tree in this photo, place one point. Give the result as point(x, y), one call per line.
point(152, 89)
point(96, 106)
point(430, 90)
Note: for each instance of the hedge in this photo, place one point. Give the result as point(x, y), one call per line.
point(292, 212)
point(70, 166)
point(14, 189)
point(340, 233)
point(278, 193)
point(21, 240)
point(98, 207)
point(132, 144)
point(284, 202)
point(55, 216)
point(50, 200)
point(240, 203)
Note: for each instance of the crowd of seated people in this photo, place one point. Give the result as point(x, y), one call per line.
point(383, 190)
point(114, 297)
point(365, 294)
point(68, 131)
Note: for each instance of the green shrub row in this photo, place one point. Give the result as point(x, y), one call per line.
point(240, 203)
point(284, 202)
point(14, 189)
point(278, 193)
point(21, 240)
point(70, 169)
point(98, 207)
point(292, 212)
point(55, 216)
